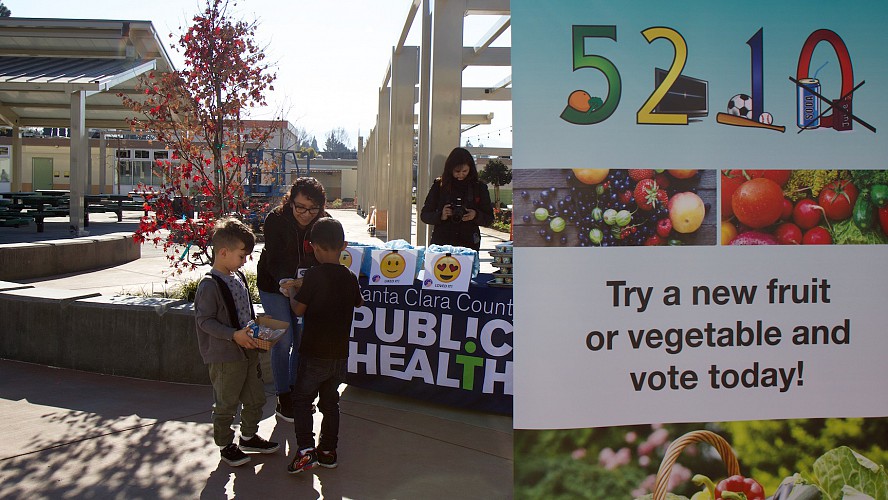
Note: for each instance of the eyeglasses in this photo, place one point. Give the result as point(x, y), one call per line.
point(301, 210)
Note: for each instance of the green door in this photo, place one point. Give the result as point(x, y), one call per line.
point(41, 171)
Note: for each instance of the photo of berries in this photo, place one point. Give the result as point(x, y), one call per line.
point(614, 207)
point(804, 207)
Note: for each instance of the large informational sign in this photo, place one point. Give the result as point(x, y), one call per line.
point(701, 218)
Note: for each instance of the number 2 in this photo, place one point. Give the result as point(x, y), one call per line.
point(646, 113)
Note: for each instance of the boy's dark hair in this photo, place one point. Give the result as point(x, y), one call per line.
point(327, 233)
point(229, 231)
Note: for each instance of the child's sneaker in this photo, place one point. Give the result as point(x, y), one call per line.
point(233, 456)
point(327, 459)
point(304, 460)
point(258, 445)
point(284, 408)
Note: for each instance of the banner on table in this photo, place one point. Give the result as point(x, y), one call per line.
point(392, 267)
point(452, 348)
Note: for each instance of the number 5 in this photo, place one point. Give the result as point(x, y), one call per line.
point(582, 60)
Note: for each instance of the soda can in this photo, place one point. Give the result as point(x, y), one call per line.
point(808, 104)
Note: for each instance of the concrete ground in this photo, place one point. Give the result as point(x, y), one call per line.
point(70, 434)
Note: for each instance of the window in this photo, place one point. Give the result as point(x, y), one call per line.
point(123, 153)
point(161, 155)
point(141, 153)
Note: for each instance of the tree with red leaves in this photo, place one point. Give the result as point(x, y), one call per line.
point(197, 114)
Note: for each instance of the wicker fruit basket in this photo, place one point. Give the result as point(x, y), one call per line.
point(274, 324)
point(677, 446)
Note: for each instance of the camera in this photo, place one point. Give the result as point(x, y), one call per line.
point(458, 210)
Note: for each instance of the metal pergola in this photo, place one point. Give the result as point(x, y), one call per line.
point(68, 73)
point(430, 75)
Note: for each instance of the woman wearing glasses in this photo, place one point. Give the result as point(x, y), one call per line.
point(286, 255)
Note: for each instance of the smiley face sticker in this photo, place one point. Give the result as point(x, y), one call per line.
point(345, 258)
point(392, 265)
point(447, 269)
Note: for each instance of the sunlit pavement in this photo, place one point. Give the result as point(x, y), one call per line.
point(70, 434)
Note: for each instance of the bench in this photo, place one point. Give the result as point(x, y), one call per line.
point(39, 215)
point(15, 221)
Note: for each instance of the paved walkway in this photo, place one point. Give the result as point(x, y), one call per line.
point(70, 434)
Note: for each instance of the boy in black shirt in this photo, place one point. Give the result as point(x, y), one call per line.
point(326, 300)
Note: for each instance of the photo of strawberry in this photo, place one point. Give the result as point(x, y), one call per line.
point(648, 195)
point(641, 173)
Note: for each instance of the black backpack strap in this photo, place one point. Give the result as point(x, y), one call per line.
point(229, 301)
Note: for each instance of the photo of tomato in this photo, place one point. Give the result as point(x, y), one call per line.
point(807, 207)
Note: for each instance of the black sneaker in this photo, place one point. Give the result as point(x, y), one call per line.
point(258, 445)
point(233, 456)
point(284, 408)
point(304, 460)
point(327, 459)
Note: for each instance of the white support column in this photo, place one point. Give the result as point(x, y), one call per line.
point(405, 72)
point(446, 82)
point(424, 168)
point(17, 161)
point(371, 170)
point(383, 161)
point(103, 163)
point(362, 170)
point(79, 163)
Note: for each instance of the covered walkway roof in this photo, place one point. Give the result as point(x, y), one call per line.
point(44, 61)
point(67, 73)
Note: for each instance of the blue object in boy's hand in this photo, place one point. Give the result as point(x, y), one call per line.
point(254, 328)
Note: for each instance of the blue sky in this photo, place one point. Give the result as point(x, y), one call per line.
point(330, 56)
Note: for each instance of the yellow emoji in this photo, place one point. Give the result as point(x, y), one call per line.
point(447, 269)
point(345, 258)
point(392, 265)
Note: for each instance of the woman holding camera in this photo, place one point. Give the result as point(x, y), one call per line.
point(458, 203)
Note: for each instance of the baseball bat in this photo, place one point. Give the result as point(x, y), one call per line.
point(739, 121)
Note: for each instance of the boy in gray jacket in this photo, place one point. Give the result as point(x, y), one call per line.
point(222, 310)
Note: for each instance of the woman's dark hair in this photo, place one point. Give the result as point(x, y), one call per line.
point(457, 157)
point(308, 187)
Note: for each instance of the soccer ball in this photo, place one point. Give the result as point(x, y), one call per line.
point(740, 105)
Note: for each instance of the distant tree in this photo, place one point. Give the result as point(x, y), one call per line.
point(314, 143)
point(308, 152)
point(4, 11)
point(337, 141)
point(197, 114)
point(497, 174)
point(301, 139)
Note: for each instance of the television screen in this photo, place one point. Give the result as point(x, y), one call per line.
point(687, 95)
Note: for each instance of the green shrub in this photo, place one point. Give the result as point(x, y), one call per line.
point(187, 289)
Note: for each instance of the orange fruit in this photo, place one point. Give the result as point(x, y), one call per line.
point(591, 175)
point(728, 232)
point(683, 174)
point(579, 100)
